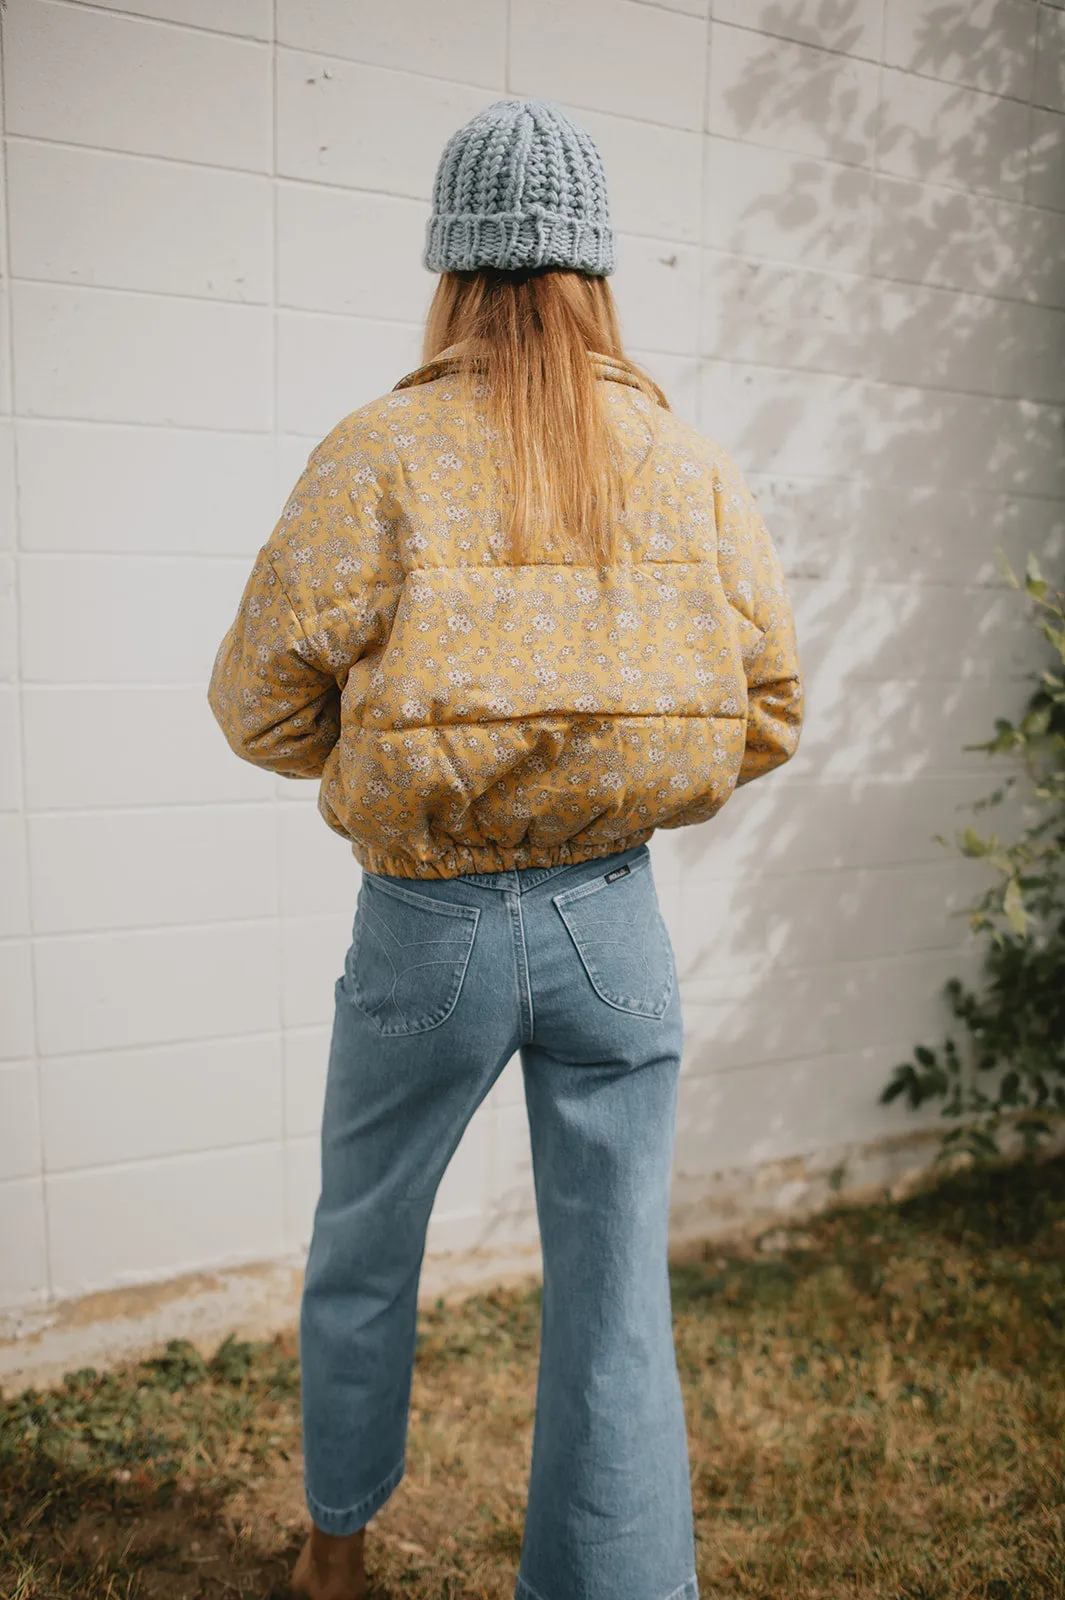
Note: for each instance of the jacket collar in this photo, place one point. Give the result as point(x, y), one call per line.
point(450, 360)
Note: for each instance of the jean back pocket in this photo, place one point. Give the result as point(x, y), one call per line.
point(617, 927)
point(408, 956)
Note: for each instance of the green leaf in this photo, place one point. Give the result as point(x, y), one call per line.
point(1035, 583)
point(1013, 906)
point(1005, 570)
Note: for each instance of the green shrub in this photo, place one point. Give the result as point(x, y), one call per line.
point(1009, 1066)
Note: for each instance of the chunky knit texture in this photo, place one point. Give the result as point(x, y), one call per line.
point(520, 185)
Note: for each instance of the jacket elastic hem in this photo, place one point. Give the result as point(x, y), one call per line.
point(340, 1523)
point(463, 859)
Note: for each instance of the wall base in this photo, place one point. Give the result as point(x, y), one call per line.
point(38, 1345)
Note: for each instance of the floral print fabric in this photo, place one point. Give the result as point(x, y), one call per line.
point(465, 714)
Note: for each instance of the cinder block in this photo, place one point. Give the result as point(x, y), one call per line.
point(7, 485)
point(508, 1089)
point(783, 921)
point(844, 1008)
point(969, 439)
point(1039, 372)
point(143, 869)
point(1027, 526)
point(91, 217)
point(784, 316)
point(938, 236)
point(303, 1181)
point(1045, 182)
point(1033, 462)
point(24, 1264)
point(657, 293)
point(940, 339)
point(761, 201)
point(465, 1190)
point(940, 133)
point(893, 729)
point(691, 8)
point(5, 352)
point(768, 1113)
point(20, 1132)
point(771, 420)
point(95, 619)
point(338, 122)
point(987, 44)
point(1050, 64)
point(676, 376)
point(792, 825)
point(618, 57)
point(306, 1059)
point(810, 102)
point(207, 1095)
point(253, 18)
point(100, 488)
point(1041, 258)
point(109, 356)
point(329, 366)
point(130, 747)
point(16, 1000)
point(9, 653)
point(902, 533)
point(291, 455)
point(105, 991)
point(324, 263)
point(11, 744)
point(510, 1174)
point(82, 76)
point(318, 872)
point(154, 1219)
point(14, 900)
point(853, 29)
point(814, 525)
point(465, 42)
point(312, 959)
point(941, 236)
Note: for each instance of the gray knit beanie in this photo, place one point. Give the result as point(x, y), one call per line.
point(520, 185)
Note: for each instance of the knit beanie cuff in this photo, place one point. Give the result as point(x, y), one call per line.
point(512, 240)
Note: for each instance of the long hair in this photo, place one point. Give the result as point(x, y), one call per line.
point(526, 339)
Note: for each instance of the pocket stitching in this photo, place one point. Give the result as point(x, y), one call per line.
point(425, 902)
point(623, 1003)
point(470, 915)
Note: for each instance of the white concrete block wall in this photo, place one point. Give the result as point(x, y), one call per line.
point(842, 251)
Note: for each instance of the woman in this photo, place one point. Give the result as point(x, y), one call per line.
point(515, 617)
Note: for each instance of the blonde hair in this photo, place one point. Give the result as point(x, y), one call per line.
point(527, 336)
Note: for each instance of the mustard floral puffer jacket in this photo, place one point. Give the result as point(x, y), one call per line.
point(467, 715)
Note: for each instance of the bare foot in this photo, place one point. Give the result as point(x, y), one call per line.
point(331, 1568)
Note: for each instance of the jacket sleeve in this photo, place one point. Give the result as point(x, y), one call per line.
point(310, 608)
point(754, 584)
point(269, 694)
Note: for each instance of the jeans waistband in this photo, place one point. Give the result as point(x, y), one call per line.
point(519, 880)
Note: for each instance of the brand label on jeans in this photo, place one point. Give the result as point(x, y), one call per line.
point(618, 872)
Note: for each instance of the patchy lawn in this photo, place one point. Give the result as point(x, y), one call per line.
point(876, 1408)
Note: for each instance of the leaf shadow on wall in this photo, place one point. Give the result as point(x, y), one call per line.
point(897, 423)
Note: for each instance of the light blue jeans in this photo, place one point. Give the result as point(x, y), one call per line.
point(443, 981)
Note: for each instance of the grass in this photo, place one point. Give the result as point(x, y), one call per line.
point(876, 1408)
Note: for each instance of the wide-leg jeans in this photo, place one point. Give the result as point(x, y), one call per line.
point(444, 980)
